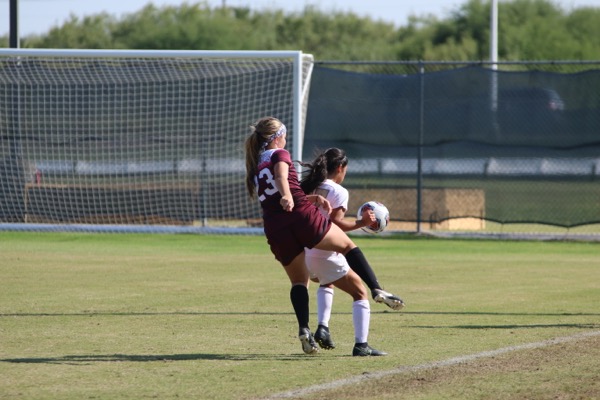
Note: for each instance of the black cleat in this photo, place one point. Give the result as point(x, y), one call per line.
point(323, 337)
point(364, 351)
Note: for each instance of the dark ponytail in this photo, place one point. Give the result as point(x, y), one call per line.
point(324, 164)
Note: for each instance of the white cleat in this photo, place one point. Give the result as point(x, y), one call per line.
point(308, 342)
point(393, 302)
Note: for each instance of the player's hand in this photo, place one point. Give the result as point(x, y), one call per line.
point(324, 204)
point(287, 203)
point(368, 216)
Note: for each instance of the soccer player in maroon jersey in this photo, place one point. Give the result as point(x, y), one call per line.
point(292, 220)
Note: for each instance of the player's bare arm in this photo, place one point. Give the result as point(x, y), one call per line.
point(282, 170)
point(338, 217)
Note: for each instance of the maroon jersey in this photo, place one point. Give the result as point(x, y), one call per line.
point(275, 217)
point(288, 233)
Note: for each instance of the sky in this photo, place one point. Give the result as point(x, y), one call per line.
point(39, 16)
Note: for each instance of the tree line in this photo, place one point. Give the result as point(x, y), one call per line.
point(528, 30)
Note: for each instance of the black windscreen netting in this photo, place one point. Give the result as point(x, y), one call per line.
point(482, 144)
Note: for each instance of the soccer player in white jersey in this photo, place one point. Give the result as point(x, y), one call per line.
point(324, 177)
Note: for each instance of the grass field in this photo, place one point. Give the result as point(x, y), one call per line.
point(122, 316)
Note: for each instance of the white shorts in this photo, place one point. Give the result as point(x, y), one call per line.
point(327, 269)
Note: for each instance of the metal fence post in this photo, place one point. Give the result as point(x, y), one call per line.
point(420, 147)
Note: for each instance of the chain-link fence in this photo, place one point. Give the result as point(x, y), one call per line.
point(507, 148)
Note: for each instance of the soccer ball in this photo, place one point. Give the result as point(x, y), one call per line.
point(382, 215)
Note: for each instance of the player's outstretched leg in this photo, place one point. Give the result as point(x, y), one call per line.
point(361, 266)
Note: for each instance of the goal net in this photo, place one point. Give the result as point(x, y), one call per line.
point(139, 140)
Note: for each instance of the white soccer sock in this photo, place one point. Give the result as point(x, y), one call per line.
point(324, 305)
point(361, 317)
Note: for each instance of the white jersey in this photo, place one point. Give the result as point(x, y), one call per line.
point(337, 196)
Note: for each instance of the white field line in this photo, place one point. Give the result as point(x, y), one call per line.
point(444, 363)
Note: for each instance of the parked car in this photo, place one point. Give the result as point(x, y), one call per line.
point(530, 111)
point(530, 99)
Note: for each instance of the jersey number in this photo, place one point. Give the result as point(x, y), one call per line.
point(270, 186)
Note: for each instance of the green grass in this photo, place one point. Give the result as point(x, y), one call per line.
point(208, 317)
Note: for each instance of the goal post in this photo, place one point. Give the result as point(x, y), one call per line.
point(139, 140)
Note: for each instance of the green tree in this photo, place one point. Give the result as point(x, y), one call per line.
point(528, 30)
point(336, 36)
point(583, 26)
point(91, 32)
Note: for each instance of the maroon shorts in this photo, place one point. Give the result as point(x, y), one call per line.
point(307, 231)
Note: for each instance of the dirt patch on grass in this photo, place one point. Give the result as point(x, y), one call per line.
point(559, 371)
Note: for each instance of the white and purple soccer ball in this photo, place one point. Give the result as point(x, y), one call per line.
point(382, 215)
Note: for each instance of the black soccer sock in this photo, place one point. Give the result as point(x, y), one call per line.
point(359, 264)
point(299, 297)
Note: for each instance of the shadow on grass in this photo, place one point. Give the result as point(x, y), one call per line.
point(510, 326)
point(525, 314)
point(138, 314)
point(251, 313)
point(87, 359)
